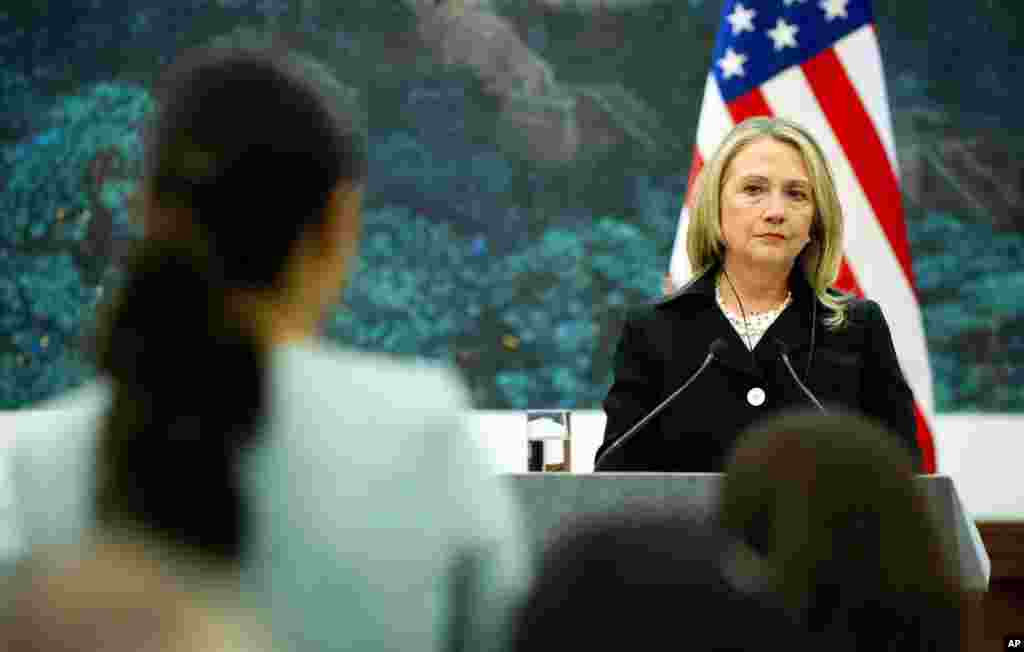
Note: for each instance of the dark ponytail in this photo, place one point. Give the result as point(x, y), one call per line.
point(244, 151)
point(188, 393)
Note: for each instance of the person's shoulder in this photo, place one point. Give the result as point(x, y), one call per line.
point(653, 307)
point(688, 289)
point(409, 382)
point(90, 396)
point(51, 463)
point(321, 382)
point(57, 420)
point(695, 294)
point(648, 317)
point(861, 311)
point(640, 312)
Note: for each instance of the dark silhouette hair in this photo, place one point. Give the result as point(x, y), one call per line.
point(248, 146)
point(643, 573)
point(850, 545)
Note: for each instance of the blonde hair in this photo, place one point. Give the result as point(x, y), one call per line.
point(821, 258)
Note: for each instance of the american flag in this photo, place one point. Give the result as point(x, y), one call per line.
point(817, 62)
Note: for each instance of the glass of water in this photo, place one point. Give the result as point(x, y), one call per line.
point(548, 440)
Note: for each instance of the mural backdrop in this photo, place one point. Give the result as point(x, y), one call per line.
point(528, 162)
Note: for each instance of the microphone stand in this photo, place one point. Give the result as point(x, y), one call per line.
point(716, 347)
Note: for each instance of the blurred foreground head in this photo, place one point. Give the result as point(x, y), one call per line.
point(631, 578)
point(255, 161)
point(849, 543)
point(250, 200)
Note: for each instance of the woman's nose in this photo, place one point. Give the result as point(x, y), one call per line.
point(775, 211)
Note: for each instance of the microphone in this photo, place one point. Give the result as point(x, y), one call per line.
point(714, 350)
point(784, 354)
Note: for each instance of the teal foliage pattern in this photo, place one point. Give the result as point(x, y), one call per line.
point(522, 195)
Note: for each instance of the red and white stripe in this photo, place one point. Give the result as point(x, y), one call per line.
point(839, 96)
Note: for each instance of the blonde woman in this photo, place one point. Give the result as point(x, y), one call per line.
point(736, 343)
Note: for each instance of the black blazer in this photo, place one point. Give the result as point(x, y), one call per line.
point(662, 344)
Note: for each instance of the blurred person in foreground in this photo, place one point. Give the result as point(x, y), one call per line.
point(759, 329)
point(341, 491)
point(645, 577)
point(115, 598)
point(849, 546)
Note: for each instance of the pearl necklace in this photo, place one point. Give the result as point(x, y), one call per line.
point(756, 324)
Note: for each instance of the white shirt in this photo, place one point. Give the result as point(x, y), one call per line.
point(753, 327)
point(366, 491)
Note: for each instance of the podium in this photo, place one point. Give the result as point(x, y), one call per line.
point(552, 501)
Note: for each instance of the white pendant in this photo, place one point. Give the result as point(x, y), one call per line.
point(755, 396)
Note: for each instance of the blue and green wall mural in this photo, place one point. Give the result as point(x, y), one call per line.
point(528, 160)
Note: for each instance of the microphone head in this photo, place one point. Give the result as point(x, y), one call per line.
point(718, 347)
point(781, 347)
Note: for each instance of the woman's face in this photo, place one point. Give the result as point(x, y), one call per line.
point(767, 206)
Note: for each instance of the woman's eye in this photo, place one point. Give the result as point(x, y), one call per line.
point(798, 194)
point(752, 189)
